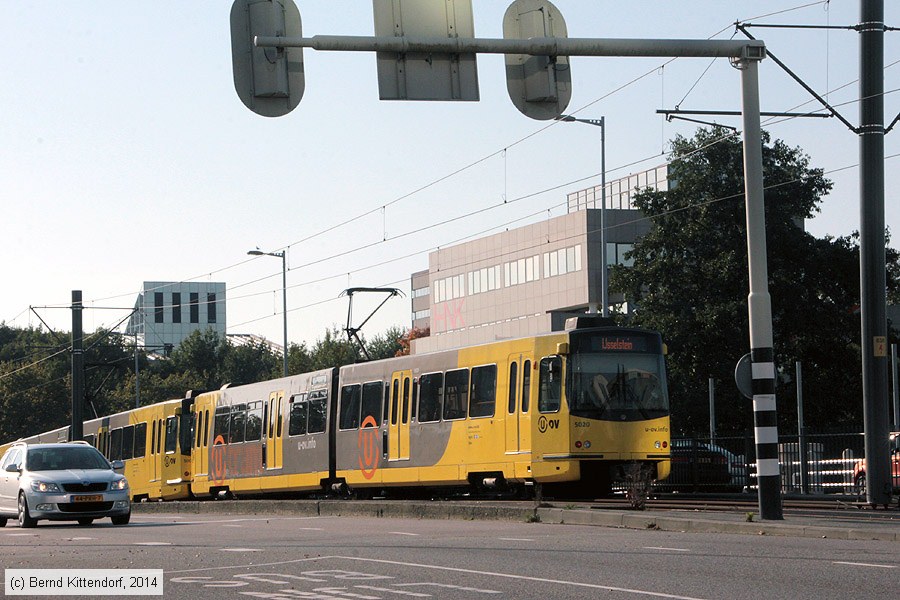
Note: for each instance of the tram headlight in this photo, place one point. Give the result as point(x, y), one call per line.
point(658, 444)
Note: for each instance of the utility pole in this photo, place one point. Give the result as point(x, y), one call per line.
point(871, 252)
point(76, 431)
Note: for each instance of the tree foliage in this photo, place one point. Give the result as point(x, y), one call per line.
point(690, 282)
point(35, 385)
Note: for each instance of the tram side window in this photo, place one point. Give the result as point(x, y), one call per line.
point(371, 402)
point(513, 385)
point(115, 444)
point(140, 440)
point(198, 439)
point(299, 415)
point(456, 394)
point(350, 400)
point(483, 398)
point(395, 398)
point(220, 427)
point(171, 434)
point(238, 422)
point(550, 390)
point(405, 414)
point(318, 402)
point(128, 442)
point(431, 393)
point(526, 385)
point(187, 432)
point(254, 423)
point(89, 438)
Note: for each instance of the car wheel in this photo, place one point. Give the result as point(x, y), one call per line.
point(85, 521)
point(121, 519)
point(860, 487)
point(25, 519)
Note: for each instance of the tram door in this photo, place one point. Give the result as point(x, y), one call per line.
point(398, 429)
point(518, 418)
point(274, 431)
point(171, 459)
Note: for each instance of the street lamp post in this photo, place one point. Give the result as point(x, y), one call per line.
point(604, 271)
point(283, 256)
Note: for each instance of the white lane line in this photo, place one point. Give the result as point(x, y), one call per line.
point(515, 539)
point(21, 534)
point(80, 539)
point(859, 564)
point(664, 548)
point(153, 543)
point(231, 525)
point(240, 550)
point(403, 533)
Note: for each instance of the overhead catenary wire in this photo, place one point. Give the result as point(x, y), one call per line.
point(446, 177)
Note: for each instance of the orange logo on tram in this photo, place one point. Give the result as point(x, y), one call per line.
point(217, 472)
point(368, 447)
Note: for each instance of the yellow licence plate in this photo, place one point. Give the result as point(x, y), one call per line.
point(87, 498)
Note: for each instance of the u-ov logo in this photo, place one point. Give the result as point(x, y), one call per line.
point(544, 424)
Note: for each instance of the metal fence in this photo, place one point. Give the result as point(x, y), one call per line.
point(810, 464)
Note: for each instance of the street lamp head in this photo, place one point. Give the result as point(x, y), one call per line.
point(256, 252)
point(566, 118)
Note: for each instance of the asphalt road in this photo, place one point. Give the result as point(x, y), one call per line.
point(286, 557)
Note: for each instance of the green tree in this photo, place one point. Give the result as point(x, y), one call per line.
point(333, 351)
point(387, 344)
point(689, 281)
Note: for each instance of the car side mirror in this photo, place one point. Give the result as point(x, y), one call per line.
point(12, 468)
point(118, 465)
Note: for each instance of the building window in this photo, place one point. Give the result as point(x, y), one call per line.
point(210, 308)
point(195, 307)
point(522, 271)
point(562, 261)
point(484, 280)
point(421, 314)
point(449, 288)
point(176, 307)
point(158, 307)
point(615, 254)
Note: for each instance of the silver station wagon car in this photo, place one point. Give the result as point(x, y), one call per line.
point(61, 482)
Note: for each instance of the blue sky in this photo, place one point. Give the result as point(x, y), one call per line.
point(127, 156)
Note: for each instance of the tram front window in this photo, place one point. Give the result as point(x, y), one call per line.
point(618, 387)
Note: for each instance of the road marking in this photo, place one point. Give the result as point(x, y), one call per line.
point(664, 548)
point(403, 533)
point(80, 539)
point(153, 543)
point(450, 587)
point(20, 534)
point(858, 564)
point(240, 550)
point(437, 568)
point(515, 539)
point(592, 586)
point(393, 591)
point(230, 525)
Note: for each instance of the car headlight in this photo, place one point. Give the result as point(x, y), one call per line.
point(121, 484)
point(43, 486)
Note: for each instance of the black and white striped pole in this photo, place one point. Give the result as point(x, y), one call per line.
point(762, 355)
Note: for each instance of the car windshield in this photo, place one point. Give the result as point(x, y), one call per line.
point(58, 459)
